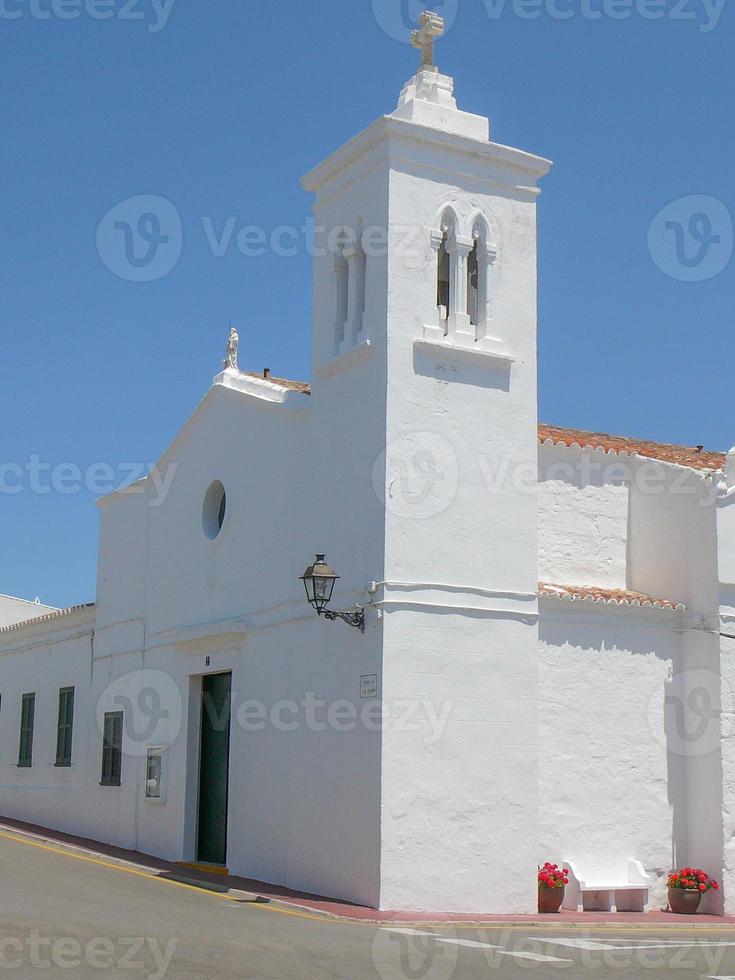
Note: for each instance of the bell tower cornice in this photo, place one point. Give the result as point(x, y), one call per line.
point(393, 134)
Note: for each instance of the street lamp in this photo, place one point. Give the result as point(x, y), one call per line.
point(319, 580)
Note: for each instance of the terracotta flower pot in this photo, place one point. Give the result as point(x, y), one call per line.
point(549, 899)
point(684, 901)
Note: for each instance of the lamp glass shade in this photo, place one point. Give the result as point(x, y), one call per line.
point(319, 580)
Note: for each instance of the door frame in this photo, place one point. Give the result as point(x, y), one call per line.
point(190, 848)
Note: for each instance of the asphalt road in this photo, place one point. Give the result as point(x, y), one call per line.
point(61, 916)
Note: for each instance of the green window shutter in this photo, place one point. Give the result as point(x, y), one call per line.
point(112, 749)
point(27, 713)
point(65, 726)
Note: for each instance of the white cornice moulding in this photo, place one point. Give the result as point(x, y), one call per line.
point(529, 166)
point(264, 390)
point(446, 347)
point(233, 633)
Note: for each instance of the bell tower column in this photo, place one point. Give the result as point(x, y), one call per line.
point(459, 598)
point(433, 485)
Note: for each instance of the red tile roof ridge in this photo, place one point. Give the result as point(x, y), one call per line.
point(608, 596)
point(56, 614)
point(694, 457)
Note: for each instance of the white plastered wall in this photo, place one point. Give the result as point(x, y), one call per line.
point(726, 623)
point(459, 813)
point(673, 554)
point(582, 518)
point(607, 790)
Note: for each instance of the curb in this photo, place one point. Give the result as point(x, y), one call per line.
point(254, 898)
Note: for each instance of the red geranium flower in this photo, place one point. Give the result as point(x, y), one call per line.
point(692, 878)
point(549, 876)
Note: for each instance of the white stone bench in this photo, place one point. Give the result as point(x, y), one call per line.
point(608, 886)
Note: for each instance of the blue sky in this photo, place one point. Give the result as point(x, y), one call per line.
point(221, 108)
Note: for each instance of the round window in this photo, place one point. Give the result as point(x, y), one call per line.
point(214, 510)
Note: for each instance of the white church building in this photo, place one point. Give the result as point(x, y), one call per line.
point(530, 652)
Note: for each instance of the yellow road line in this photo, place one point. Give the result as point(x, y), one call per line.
point(153, 876)
point(723, 930)
point(296, 913)
point(115, 867)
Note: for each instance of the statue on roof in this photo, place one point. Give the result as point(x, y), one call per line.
point(231, 354)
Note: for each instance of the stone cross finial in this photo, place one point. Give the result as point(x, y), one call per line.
point(432, 27)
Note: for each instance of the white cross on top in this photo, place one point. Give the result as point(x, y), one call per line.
point(432, 27)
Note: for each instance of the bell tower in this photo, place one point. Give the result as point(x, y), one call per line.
point(425, 344)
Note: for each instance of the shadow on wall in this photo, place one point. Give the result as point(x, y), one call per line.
point(692, 725)
point(456, 366)
point(625, 693)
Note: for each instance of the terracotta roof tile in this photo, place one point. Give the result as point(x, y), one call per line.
point(56, 614)
point(683, 455)
point(302, 386)
point(615, 597)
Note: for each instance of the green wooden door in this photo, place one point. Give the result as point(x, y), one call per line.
point(213, 768)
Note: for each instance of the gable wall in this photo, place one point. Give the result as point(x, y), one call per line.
point(173, 605)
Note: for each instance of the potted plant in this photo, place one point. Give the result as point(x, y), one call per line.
point(686, 888)
point(551, 882)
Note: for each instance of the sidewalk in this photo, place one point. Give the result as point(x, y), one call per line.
point(259, 891)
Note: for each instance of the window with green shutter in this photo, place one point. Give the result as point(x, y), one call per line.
point(112, 749)
point(64, 726)
point(27, 712)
